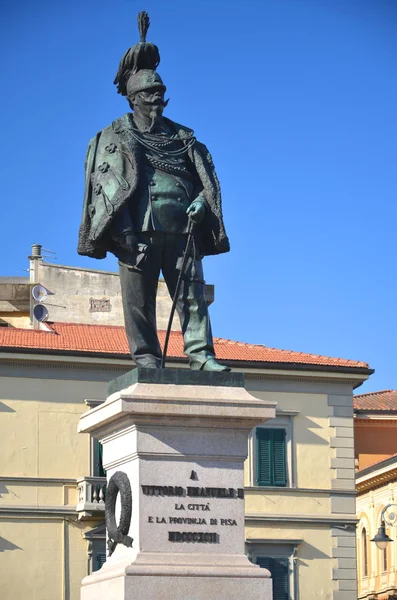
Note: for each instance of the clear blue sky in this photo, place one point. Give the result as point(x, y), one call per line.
point(296, 100)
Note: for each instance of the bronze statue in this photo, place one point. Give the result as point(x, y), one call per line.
point(148, 181)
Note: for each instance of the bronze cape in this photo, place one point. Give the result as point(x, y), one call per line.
point(113, 166)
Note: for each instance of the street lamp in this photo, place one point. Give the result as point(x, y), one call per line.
point(382, 539)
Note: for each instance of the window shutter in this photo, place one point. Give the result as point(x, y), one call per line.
point(271, 457)
point(279, 570)
point(263, 562)
point(264, 459)
point(101, 470)
point(280, 475)
point(100, 559)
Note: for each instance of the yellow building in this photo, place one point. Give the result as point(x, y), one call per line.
point(376, 571)
point(300, 496)
point(376, 482)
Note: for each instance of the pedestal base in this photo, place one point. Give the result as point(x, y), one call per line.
point(180, 439)
point(179, 577)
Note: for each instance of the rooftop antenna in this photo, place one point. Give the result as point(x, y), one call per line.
point(49, 252)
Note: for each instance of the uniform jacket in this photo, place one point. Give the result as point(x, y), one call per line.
point(113, 170)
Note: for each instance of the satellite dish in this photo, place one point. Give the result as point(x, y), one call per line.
point(40, 312)
point(39, 293)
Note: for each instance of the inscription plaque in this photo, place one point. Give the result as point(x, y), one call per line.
point(184, 494)
point(100, 305)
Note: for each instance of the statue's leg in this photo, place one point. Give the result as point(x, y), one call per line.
point(191, 305)
point(138, 291)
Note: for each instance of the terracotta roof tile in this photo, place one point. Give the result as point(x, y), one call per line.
point(383, 400)
point(106, 339)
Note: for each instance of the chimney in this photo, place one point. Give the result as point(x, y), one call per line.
point(34, 259)
point(36, 251)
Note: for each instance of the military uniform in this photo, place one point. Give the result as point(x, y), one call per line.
point(160, 223)
point(144, 189)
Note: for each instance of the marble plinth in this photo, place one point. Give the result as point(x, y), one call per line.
point(182, 442)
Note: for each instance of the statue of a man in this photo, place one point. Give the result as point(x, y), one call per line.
point(147, 179)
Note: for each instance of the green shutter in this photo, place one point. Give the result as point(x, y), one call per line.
point(271, 463)
point(279, 570)
point(279, 471)
point(263, 450)
point(101, 470)
point(263, 562)
point(100, 559)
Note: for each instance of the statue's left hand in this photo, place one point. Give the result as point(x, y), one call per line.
point(196, 211)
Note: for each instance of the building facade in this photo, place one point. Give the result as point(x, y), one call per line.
point(375, 423)
point(376, 569)
point(300, 496)
point(376, 482)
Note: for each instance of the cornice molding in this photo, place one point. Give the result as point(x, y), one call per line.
point(273, 541)
point(92, 403)
point(295, 490)
point(21, 479)
point(81, 365)
point(59, 511)
point(378, 422)
point(299, 377)
point(376, 481)
point(332, 520)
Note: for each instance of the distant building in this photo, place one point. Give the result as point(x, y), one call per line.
point(80, 296)
point(376, 482)
point(375, 425)
point(300, 489)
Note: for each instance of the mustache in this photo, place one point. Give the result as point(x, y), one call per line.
point(155, 101)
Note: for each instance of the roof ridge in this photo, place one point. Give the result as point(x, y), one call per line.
point(373, 393)
point(313, 354)
point(300, 352)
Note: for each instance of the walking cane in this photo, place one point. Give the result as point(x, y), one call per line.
point(178, 287)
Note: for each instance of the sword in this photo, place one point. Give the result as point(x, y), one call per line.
point(177, 288)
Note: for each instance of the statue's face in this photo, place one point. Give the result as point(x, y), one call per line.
point(150, 103)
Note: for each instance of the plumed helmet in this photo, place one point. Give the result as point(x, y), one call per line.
point(143, 80)
point(137, 69)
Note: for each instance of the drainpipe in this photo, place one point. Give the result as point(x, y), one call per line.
point(64, 588)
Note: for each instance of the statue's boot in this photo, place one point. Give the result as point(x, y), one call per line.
point(210, 365)
point(154, 363)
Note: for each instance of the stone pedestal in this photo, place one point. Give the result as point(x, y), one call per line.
point(181, 438)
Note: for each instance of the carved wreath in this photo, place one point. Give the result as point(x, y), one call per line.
point(117, 534)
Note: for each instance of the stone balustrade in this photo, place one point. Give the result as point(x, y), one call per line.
point(91, 496)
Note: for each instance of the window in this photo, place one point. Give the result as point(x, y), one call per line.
point(279, 568)
point(270, 457)
point(100, 558)
point(98, 470)
point(364, 550)
point(280, 558)
point(101, 470)
point(96, 547)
